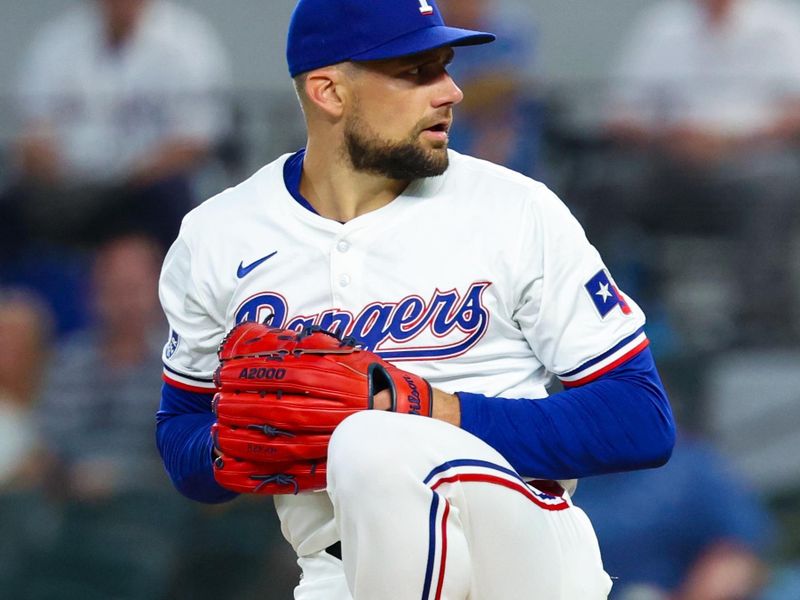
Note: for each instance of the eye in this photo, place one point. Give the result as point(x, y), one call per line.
point(415, 72)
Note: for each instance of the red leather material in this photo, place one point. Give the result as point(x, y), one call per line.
point(281, 393)
point(269, 478)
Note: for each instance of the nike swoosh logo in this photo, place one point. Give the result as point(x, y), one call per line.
point(243, 271)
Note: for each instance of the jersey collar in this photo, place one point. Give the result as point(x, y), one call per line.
point(292, 173)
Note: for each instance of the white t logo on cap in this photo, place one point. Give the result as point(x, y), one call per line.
point(425, 8)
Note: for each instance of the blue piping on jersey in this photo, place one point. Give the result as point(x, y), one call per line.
point(606, 354)
point(192, 377)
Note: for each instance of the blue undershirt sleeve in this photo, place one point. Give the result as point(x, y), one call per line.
point(621, 421)
point(183, 435)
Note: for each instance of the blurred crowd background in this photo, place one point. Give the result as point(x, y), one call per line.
point(671, 128)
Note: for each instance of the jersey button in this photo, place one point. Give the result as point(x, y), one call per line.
point(343, 246)
point(344, 280)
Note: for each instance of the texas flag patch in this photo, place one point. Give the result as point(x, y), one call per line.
point(605, 295)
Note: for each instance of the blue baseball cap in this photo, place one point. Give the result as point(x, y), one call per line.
point(326, 32)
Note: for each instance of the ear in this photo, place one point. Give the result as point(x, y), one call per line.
point(327, 90)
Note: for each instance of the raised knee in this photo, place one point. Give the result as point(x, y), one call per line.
point(363, 451)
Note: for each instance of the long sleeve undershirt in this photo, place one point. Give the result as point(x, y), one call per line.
point(183, 434)
point(618, 422)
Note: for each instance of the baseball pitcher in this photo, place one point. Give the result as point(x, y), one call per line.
point(365, 330)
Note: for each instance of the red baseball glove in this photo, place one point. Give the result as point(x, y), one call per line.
point(281, 393)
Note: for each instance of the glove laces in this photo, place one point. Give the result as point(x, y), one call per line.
point(270, 431)
point(278, 478)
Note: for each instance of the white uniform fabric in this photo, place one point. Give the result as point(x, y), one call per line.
point(479, 280)
point(107, 108)
point(677, 70)
point(484, 534)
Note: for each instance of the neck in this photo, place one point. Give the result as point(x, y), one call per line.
point(336, 190)
point(120, 27)
point(719, 11)
point(117, 35)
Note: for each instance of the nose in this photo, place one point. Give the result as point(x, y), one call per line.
point(449, 94)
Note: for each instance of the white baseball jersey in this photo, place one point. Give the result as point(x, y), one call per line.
point(677, 69)
point(479, 280)
point(108, 108)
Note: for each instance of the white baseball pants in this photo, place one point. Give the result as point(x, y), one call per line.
point(427, 511)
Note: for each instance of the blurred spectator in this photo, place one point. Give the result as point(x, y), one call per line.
point(499, 117)
point(119, 536)
point(25, 333)
point(691, 530)
point(94, 411)
point(120, 103)
point(120, 100)
point(707, 96)
point(27, 522)
point(123, 533)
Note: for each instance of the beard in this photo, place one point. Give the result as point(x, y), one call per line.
point(404, 160)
